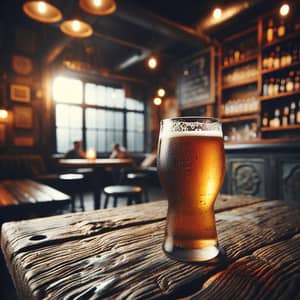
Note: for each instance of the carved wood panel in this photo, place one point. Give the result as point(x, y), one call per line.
point(290, 180)
point(247, 177)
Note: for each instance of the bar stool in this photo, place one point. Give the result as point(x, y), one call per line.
point(72, 183)
point(141, 179)
point(132, 193)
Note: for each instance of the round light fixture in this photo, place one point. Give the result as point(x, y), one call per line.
point(98, 7)
point(284, 10)
point(152, 62)
point(161, 92)
point(42, 11)
point(217, 13)
point(3, 114)
point(76, 28)
point(157, 101)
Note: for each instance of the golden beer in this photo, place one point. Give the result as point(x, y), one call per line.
point(191, 170)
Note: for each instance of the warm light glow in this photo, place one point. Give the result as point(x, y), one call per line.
point(3, 114)
point(97, 3)
point(161, 92)
point(42, 8)
point(217, 13)
point(157, 101)
point(91, 154)
point(284, 10)
point(42, 11)
point(152, 62)
point(76, 25)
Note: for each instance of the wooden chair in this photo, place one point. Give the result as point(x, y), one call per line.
point(132, 193)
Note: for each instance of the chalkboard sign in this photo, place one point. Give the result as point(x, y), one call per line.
point(196, 80)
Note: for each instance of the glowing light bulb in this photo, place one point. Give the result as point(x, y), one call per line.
point(41, 7)
point(76, 25)
point(161, 92)
point(97, 3)
point(157, 101)
point(152, 62)
point(3, 114)
point(284, 10)
point(217, 13)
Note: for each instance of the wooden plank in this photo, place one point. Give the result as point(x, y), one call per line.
point(121, 256)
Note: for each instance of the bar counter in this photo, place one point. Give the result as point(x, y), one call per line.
point(117, 254)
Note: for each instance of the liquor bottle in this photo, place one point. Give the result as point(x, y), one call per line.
point(265, 120)
point(282, 85)
point(276, 86)
point(290, 82)
point(265, 87)
point(281, 29)
point(276, 120)
point(283, 59)
point(292, 116)
point(285, 117)
point(276, 60)
point(289, 55)
point(297, 82)
point(265, 62)
point(298, 113)
point(271, 60)
point(271, 87)
point(270, 31)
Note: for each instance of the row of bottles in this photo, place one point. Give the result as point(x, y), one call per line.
point(282, 115)
point(241, 132)
point(278, 29)
point(281, 57)
point(240, 106)
point(246, 72)
point(275, 85)
point(236, 55)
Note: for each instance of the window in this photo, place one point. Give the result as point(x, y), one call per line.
point(97, 114)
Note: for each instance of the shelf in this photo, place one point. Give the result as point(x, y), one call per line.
point(241, 62)
point(238, 84)
point(281, 128)
point(267, 71)
point(281, 40)
point(240, 118)
point(279, 96)
point(241, 114)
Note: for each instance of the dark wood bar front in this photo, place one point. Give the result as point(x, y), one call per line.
point(116, 254)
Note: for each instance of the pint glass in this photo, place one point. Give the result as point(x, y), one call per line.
point(191, 170)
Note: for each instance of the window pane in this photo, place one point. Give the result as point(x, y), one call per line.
point(67, 90)
point(110, 122)
point(119, 98)
point(63, 140)
point(62, 115)
point(130, 103)
point(139, 122)
point(75, 116)
point(110, 97)
point(110, 139)
point(130, 141)
point(90, 116)
point(91, 93)
point(119, 137)
point(130, 120)
point(101, 117)
point(119, 120)
point(101, 95)
point(91, 138)
point(101, 141)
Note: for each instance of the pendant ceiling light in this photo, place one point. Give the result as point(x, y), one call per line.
point(42, 11)
point(98, 7)
point(76, 28)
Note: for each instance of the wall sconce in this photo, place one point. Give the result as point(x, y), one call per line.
point(161, 92)
point(98, 7)
point(42, 11)
point(76, 28)
point(217, 13)
point(284, 10)
point(157, 101)
point(152, 62)
point(3, 114)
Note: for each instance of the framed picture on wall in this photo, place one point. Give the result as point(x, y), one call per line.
point(20, 93)
point(23, 141)
point(23, 116)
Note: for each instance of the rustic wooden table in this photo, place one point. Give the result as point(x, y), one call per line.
point(116, 254)
point(22, 198)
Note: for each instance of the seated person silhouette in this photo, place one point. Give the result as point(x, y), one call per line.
point(76, 151)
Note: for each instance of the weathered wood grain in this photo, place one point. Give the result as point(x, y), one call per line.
point(116, 254)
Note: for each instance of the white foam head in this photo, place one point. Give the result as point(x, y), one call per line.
point(190, 127)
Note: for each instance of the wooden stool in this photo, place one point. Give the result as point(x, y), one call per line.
point(116, 191)
point(73, 184)
point(140, 179)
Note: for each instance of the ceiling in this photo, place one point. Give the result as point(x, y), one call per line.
point(122, 41)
